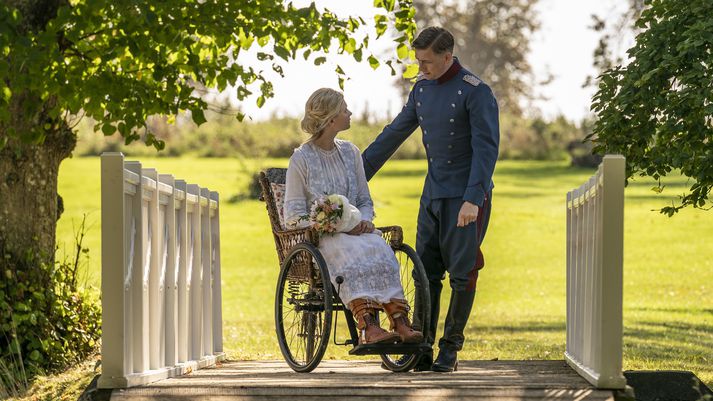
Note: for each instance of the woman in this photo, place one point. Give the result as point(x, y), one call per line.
point(325, 165)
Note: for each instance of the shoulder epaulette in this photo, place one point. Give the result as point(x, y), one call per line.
point(471, 79)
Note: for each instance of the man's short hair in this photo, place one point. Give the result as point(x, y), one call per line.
point(436, 38)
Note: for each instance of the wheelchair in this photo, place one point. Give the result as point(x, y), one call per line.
point(306, 302)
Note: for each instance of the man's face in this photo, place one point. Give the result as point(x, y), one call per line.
point(432, 65)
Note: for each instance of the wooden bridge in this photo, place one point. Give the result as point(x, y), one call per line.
point(162, 312)
point(362, 381)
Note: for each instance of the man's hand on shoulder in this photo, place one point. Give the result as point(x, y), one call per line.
point(468, 214)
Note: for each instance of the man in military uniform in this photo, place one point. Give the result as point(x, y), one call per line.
point(458, 116)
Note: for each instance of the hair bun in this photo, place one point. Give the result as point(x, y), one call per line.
point(321, 107)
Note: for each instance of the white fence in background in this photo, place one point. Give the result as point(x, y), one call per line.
point(161, 298)
point(595, 254)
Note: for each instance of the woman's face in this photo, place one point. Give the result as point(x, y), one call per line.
point(343, 120)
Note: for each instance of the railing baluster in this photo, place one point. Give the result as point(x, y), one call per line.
point(183, 236)
point(170, 275)
point(207, 287)
point(196, 299)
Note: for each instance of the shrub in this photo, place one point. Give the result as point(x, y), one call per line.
point(47, 321)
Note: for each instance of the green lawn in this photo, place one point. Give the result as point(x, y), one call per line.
point(520, 306)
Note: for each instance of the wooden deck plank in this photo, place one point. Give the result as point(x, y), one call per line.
point(361, 380)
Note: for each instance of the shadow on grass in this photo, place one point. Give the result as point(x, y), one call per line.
point(522, 327)
point(540, 170)
point(663, 344)
point(417, 172)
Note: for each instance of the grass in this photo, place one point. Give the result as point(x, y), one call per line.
point(520, 305)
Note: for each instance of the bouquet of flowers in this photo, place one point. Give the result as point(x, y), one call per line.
point(333, 213)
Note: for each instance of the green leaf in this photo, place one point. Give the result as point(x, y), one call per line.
point(402, 51)
point(108, 129)
point(411, 71)
point(282, 52)
point(198, 116)
point(260, 101)
point(373, 62)
point(320, 60)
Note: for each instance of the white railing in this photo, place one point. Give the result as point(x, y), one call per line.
point(595, 235)
point(161, 298)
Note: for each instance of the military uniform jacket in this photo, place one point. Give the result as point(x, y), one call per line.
point(458, 116)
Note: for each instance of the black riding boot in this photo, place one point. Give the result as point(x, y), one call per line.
point(434, 291)
point(452, 341)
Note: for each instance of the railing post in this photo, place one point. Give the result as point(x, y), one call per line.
point(184, 241)
point(115, 342)
point(217, 283)
point(613, 268)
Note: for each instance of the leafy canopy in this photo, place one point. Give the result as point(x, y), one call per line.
point(658, 110)
point(120, 61)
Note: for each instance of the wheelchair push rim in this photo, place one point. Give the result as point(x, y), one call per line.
point(415, 285)
point(303, 308)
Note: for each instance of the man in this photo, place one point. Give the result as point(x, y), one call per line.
point(458, 116)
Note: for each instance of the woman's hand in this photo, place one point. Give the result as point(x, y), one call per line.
point(362, 228)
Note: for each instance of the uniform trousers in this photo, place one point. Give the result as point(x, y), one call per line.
point(444, 247)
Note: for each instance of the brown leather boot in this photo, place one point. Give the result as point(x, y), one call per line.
point(397, 311)
point(364, 311)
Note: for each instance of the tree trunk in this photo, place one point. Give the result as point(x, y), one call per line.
point(29, 206)
point(29, 203)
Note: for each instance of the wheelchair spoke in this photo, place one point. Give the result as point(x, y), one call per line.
point(303, 308)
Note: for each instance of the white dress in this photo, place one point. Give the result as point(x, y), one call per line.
point(366, 261)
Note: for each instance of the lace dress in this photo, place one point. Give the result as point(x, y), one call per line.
point(366, 261)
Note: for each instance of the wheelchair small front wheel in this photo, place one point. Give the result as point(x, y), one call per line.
point(415, 284)
point(303, 307)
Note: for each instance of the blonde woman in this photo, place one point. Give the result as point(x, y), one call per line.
point(326, 165)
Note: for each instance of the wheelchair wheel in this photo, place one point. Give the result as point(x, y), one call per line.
point(303, 308)
point(415, 284)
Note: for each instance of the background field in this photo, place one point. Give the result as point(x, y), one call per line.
point(520, 306)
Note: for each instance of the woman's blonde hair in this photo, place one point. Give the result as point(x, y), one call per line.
point(321, 107)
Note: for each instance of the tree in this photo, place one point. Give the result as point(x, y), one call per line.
point(492, 40)
point(119, 62)
point(613, 33)
point(658, 110)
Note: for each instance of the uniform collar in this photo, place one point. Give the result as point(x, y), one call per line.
point(452, 71)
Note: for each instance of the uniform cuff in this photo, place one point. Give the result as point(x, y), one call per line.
point(475, 195)
point(369, 171)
